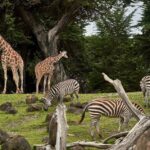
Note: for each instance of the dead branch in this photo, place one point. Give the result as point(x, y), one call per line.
point(89, 144)
point(119, 88)
point(118, 135)
point(139, 128)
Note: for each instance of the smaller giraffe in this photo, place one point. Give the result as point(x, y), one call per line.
point(45, 68)
point(11, 60)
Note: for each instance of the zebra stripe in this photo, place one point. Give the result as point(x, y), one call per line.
point(58, 91)
point(97, 108)
point(145, 87)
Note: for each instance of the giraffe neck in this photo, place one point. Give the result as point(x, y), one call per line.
point(4, 45)
point(57, 58)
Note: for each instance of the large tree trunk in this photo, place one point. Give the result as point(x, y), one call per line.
point(48, 40)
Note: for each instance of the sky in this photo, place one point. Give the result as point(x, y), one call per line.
point(91, 28)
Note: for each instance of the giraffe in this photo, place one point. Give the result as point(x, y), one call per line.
point(11, 60)
point(45, 68)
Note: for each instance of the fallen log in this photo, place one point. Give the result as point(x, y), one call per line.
point(89, 144)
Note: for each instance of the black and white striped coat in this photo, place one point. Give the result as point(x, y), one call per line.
point(145, 87)
point(103, 107)
point(58, 91)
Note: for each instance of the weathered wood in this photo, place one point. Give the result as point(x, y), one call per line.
point(119, 88)
point(118, 135)
point(42, 147)
point(89, 144)
point(61, 127)
point(139, 128)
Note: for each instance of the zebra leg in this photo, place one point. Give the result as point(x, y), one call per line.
point(146, 99)
point(61, 99)
point(72, 97)
point(94, 125)
point(121, 120)
point(92, 130)
point(77, 96)
point(125, 123)
point(97, 128)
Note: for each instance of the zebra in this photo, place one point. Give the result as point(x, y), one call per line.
point(58, 91)
point(145, 87)
point(104, 107)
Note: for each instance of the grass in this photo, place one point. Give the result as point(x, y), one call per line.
point(32, 124)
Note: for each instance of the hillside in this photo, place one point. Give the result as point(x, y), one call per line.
point(32, 124)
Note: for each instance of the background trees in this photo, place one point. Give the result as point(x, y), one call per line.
point(39, 28)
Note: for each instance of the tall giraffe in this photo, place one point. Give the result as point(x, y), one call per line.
point(45, 68)
point(11, 59)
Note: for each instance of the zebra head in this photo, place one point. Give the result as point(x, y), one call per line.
point(47, 103)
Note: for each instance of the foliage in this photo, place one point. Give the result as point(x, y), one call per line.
point(112, 50)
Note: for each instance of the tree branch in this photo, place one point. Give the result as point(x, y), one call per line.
point(38, 30)
point(119, 88)
point(118, 135)
point(64, 21)
point(89, 144)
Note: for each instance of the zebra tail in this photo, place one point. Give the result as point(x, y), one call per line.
point(83, 113)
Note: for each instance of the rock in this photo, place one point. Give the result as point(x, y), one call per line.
point(78, 105)
point(3, 136)
point(34, 107)
point(5, 106)
point(11, 110)
point(17, 142)
point(74, 110)
point(8, 108)
point(30, 99)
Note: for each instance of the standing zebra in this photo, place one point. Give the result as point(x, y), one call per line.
point(109, 108)
point(145, 87)
point(58, 91)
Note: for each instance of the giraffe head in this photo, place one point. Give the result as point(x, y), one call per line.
point(64, 54)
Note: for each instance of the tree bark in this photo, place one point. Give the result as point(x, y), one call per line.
point(118, 135)
point(48, 40)
point(89, 144)
point(61, 127)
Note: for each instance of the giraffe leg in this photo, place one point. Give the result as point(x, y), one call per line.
point(21, 77)
point(37, 84)
point(44, 83)
point(16, 79)
point(5, 79)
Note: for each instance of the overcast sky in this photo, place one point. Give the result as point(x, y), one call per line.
point(91, 28)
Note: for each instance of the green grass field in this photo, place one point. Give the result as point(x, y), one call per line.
point(32, 124)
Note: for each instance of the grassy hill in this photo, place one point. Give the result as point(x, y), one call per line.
point(33, 127)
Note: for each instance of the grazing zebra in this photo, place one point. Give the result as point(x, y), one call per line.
point(58, 91)
point(103, 107)
point(145, 87)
